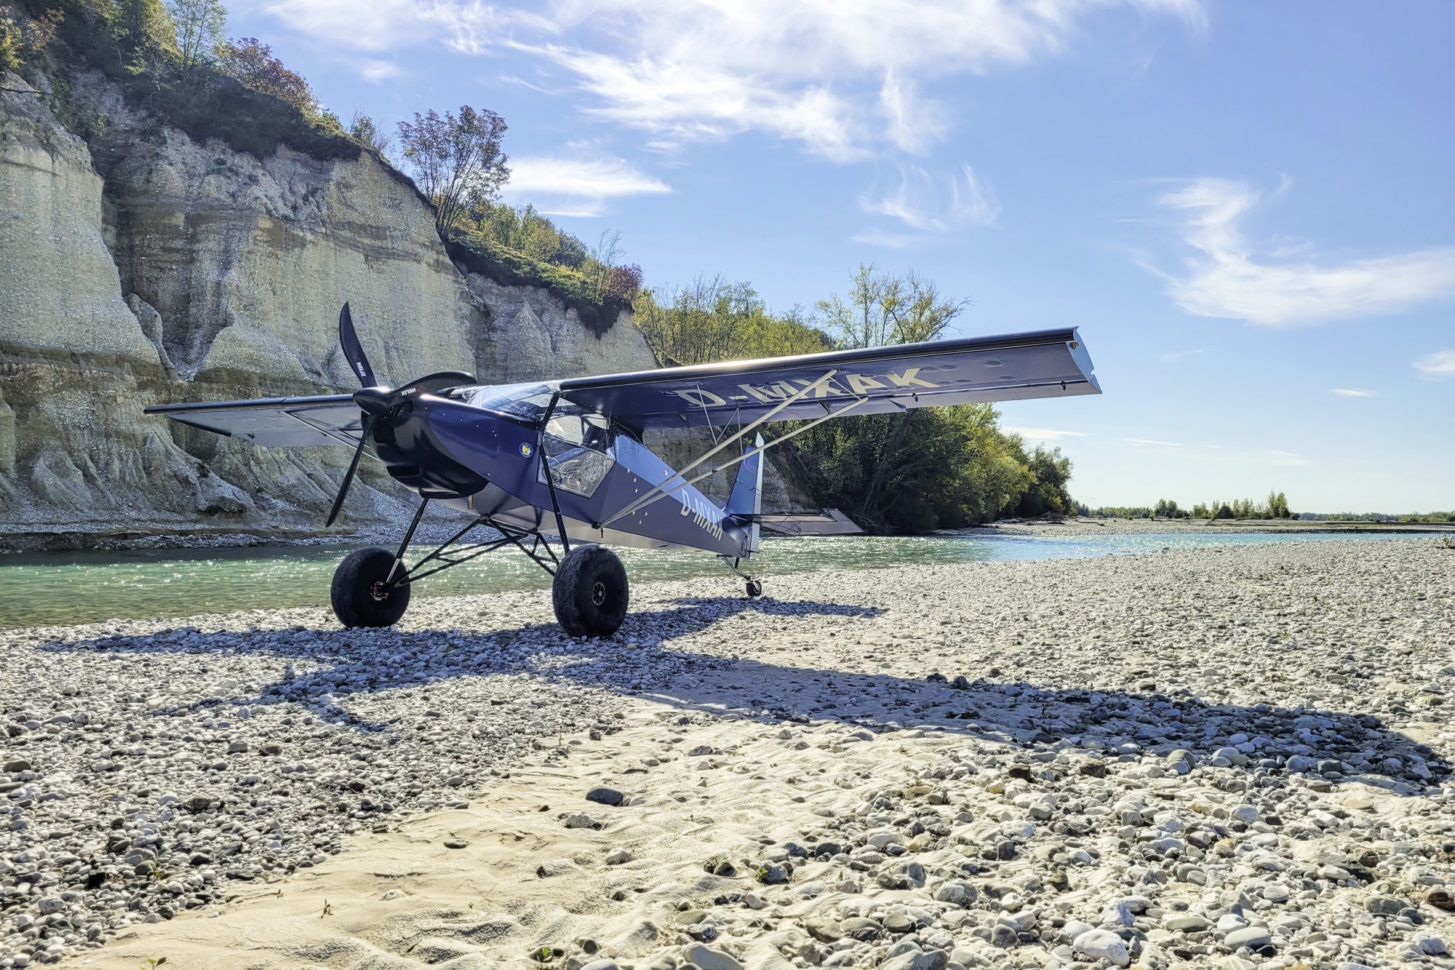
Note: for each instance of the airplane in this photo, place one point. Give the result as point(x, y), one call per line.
point(563, 460)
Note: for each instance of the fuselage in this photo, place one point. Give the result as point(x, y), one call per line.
point(487, 450)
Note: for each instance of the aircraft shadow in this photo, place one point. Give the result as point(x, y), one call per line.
point(1018, 713)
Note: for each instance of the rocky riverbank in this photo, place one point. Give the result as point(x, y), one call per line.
point(1227, 757)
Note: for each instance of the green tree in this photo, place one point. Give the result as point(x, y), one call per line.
point(1050, 473)
point(200, 26)
point(363, 130)
point(921, 469)
point(457, 159)
point(883, 309)
point(22, 38)
point(1281, 507)
point(144, 33)
point(252, 64)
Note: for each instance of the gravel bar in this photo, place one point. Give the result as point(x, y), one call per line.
point(1231, 756)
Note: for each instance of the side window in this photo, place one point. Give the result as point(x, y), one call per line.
point(578, 449)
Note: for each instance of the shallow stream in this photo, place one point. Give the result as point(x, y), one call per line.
point(84, 587)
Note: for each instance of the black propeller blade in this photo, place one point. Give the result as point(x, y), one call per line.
point(343, 489)
point(353, 350)
point(376, 403)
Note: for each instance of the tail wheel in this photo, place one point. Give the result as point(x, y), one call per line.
point(755, 588)
point(362, 594)
point(590, 592)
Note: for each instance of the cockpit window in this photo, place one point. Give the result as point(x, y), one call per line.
point(588, 429)
point(527, 401)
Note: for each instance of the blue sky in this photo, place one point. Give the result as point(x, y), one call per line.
point(1247, 208)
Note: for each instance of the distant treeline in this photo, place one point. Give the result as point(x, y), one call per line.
point(1274, 507)
point(1410, 517)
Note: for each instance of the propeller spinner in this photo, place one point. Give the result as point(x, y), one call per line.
point(378, 404)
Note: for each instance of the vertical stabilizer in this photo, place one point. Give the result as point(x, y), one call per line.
point(747, 494)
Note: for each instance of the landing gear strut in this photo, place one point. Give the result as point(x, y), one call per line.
point(371, 586)
point(755, 586)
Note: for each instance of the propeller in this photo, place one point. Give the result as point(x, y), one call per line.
point(377, 403)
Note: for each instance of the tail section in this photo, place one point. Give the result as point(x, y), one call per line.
point(746, 499)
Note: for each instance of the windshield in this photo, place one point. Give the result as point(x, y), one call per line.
point(528, 401)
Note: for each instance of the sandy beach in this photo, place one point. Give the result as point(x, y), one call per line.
point(1228, 757)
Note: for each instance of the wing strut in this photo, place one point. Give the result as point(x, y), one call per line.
point(658, 491)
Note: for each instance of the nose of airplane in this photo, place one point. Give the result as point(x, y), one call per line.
point(373, 400)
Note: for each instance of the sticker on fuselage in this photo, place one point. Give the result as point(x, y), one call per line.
point(526, 450)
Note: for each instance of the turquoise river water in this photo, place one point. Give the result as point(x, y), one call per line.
point(57, 588)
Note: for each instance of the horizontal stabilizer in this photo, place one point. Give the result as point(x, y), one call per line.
point(829, 522)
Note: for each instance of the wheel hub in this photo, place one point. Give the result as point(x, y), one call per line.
point(598, 593)
point(379, 592)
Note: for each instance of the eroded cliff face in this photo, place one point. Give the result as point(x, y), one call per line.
point(141, 267)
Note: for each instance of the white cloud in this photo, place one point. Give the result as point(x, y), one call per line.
point(1437, 366)
point(595, 178)
point(1353, 392)
point(1229, 278)
point(841, 77)
point(934, 204)
point(1151, 443)
point(1044, 434)
point(378, 25)
point(1181, 355)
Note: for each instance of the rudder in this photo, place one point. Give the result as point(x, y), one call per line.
point(746, 498)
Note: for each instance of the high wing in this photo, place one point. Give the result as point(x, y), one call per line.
point(328, 419)
point(1048, 363)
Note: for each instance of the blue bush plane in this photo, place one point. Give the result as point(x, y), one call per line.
point(565, 458)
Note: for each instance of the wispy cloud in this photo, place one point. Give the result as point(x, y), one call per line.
point(1181, 355)
point(593, 178)
point(1044, 434)
point(1152, 443)
point(378, 25)
point(1437, 366)
point(577, 186)
point(842, 79)
point(1353, 392)
point(932, 204)
point(1283, 459)
point(377, 71)
point(891, 240)
point(1230, 278)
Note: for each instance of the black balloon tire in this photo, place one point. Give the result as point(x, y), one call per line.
point(586, 573)
point(354, 583)
point(755, 588)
